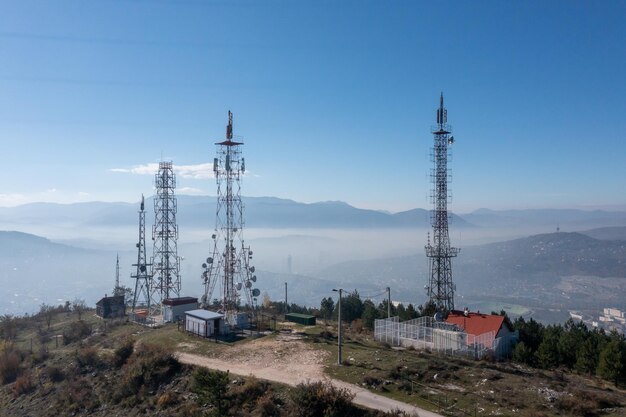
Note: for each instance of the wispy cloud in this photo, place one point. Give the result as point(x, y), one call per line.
point(191, 191)
point(8, 200)
point(193, 171)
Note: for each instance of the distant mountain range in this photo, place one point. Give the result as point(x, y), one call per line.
point(272, 212)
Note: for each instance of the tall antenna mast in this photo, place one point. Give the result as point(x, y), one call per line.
point(141, 296)
point(117, 290)
point(440, 286)
point(229, 264)
point(165, 260)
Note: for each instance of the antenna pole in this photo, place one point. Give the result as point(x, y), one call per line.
point(440, 287)
point(229, 264)
point(388, 302)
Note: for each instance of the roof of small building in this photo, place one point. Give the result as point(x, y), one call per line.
point(303, 316)
point(476, 323)
point(204, 314)
point(179, 301)
point(114, 299)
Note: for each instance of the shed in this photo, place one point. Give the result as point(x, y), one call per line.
point(174, 308)
point(204, 323)
point(111, 307)
point(304, 319)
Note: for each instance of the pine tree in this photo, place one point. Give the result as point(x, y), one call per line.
point(611, 365)
point(587, 356)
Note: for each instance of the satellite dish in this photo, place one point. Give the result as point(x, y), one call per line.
point(256, 292)
point(209, 260)
point(238, 286)
point(142, 268)
point(204, 265)
point(253, 278)
point(438, 317)
point(213, 236)
point(252, 269)
point(248, 284)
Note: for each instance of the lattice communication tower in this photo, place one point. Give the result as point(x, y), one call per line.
point(440, 286)
point(141, 296)
point(165, 274)
point(229, 264)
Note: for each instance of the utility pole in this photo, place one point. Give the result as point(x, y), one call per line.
point(340, 290)
point(286, 305)
point(388, 302)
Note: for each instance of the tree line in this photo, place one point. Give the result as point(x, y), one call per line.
point(573, 346)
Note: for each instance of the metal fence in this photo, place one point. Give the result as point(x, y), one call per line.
point(426, 333)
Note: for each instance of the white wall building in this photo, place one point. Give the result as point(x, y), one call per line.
point(204, 323)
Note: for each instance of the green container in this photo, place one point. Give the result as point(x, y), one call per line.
point(303, 319)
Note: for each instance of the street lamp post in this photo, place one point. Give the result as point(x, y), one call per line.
point(340, 290)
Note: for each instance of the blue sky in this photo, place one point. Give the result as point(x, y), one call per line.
point(334, 99)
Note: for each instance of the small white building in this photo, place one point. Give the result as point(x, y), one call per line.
point(174, 308)
point(204, 323)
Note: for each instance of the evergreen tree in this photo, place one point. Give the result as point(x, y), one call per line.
point(326, 307)
point(531, 332)
point(572, 338)
point(402, 312)
point(523, 354)
point(587, 356)
point(612, 362)
point(370, 314)
point(548, 355)
point(411, 312)
point(351, 307)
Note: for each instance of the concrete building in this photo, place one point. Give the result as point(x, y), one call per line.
point(174, 308)
point(205, 323)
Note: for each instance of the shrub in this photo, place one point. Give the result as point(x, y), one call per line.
point(267, 405)
point(23, 385)
point(211, 388)
point(9, 366)
point(148, 367)
point(322, 399)
point(76, 331)
point(54, 373)
point(87, 357)
point(123, 352)
point(167, 399)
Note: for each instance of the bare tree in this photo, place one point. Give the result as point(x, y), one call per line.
point(47, 312)
point(8, 327)
point(79, 306)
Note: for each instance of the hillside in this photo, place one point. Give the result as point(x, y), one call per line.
point(39, 270)
point(118, 368)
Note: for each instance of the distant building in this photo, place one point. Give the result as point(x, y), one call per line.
point(174, 308)
point(111, 307)
point(205, 323)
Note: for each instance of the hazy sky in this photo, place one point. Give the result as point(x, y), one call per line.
point(334, 99)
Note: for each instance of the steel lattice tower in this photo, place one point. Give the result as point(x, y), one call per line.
point(117, 289)
point(165, 261)
point(141, 296)
point(440, 286)
point(229, 264)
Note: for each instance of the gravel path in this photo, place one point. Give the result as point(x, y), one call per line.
point(290, 361)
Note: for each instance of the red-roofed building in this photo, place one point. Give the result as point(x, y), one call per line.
point(477, 324)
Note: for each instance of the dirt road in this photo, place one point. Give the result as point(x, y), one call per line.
point(290, 361)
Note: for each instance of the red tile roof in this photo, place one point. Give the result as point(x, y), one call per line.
point(476, 323)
